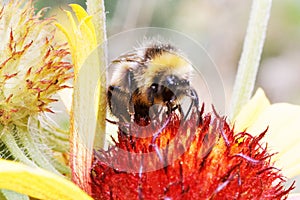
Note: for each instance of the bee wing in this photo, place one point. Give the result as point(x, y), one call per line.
point(127, 68)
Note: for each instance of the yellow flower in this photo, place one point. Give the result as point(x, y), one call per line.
point(283, 136)
point(37, 183)
point(89, 89)
point(282, 121)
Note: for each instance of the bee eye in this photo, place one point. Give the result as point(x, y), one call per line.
point(154, 87)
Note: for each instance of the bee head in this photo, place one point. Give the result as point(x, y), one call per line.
point(170, 70)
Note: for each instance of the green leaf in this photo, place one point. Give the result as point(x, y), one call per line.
point(11, 195)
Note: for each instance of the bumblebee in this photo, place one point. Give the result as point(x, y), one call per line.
point(154, 75)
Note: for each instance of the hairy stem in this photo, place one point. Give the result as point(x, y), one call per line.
point(250, 58)
point(10, 142)
point(35, 152)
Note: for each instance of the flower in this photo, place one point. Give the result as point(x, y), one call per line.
point(282, 122)
point(32, 69)
point(32, 66)
point(184, 159)
point(207, 161)
point(89, 89)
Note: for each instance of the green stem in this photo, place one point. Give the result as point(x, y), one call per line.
point(14, 149)
point(23, 148)
point(35, 152)
point(250, 58)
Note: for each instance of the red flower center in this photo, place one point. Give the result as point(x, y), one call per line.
point(196, 158)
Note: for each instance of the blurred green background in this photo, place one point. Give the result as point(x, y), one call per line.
point(220, 26)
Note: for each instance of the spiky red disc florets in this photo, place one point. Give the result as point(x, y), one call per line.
point(192, 159)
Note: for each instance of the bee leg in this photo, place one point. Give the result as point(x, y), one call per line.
point(130, 102)
point(179, 108)
point(130, 106)
point(169, 108)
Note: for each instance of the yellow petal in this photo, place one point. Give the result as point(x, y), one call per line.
point(81, 36)
point(88, 32)
point(89, 78)
point(37, 183)
point(79, 11)
point(71, 34)
point(251, 111)
point(283, 134)
point(86, 41)
point(82, 15)
point(72, 21)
